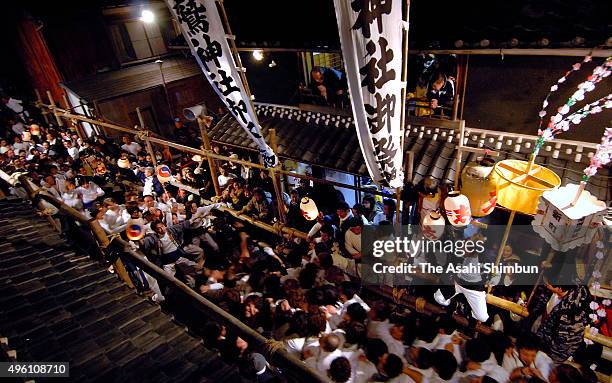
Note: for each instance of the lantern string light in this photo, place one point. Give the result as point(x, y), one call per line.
point(576, 67)
point(558, 123)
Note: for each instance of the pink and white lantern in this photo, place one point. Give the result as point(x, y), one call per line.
point(564, 225)
point(457, 208)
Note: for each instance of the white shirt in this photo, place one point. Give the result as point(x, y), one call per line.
point(223, 180)
point(15, 105)
point(72, 199)
point(378, 329)
point(18, 128)
point(168, 245)
point(322, 359)
point(295, 346)
point(73, 152)
point(21, 146)
point(542, 362)
point(91, 193)
point(132, 147)
point(4, 149)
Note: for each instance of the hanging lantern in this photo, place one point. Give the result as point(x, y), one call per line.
point(433, 226)
point(35, 130)
point(196, 158)
point(309, 209)
point(457, 208)
point(135, 229)
point(163, 173)
point(479, 185)
point(520, 192)
point(564, 226)
point(26, 136)
point(123, 163)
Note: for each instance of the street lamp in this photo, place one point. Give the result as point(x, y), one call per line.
point(161, 71)
point(147, 16)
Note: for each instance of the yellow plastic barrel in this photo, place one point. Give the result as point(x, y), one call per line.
point(522, 193)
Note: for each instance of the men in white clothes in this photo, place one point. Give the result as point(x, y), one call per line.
point(528, 360)
point(480, 361)
point(320, 358)
point(130, 146)
point(89, 192)
point(72, 151)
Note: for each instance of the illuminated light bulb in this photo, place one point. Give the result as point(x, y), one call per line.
point(258, 54)
point(147, 16)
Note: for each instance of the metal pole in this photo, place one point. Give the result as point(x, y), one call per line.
point(161, 71)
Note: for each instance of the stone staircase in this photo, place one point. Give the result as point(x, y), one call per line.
point(58, 306)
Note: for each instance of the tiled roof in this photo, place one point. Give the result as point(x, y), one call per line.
point(58, 306)
point(330, 141)
point(128, 80)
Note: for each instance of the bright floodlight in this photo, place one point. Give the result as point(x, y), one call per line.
point(147, 16)
point(258, 55)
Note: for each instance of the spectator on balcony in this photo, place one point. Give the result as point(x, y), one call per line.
point(328, 83)
point(441, 93)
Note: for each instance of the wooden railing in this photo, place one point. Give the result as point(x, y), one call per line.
point(279, 356)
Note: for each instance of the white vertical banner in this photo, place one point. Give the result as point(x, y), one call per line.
point(371, 36)
point(203, 30)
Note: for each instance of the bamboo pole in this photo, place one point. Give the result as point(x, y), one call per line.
point(275, 180)
point(464, 85)
point(459, 154)
point(77, 126)
point(503, 243)
point(211, 162)
point(279, 355)
point(52, 102)
point(207, 153)
point(39, 104)
point(147, 142)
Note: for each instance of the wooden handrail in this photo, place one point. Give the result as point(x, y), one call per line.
point(279, 355)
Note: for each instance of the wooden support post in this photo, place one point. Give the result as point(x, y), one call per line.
point(459, 154)
point(147, 142)
point(275, 180)
point(59, 120)
point(39, 104)
point(77, 126)
point(464, 84)
point(211, 162)
point(409, 166)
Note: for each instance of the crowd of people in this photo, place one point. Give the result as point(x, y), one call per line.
point(303, 293)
